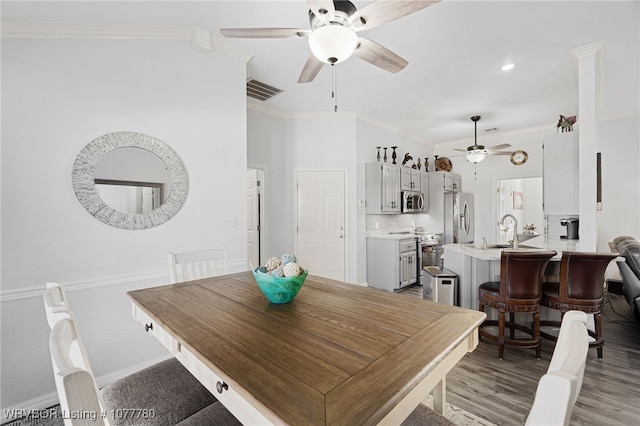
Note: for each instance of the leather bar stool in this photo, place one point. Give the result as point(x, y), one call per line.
point(580, 288)
point(519, 291)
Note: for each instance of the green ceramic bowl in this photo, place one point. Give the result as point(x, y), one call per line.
point(279, 290)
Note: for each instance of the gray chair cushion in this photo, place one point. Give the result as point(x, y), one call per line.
point(166, 390)
point(423, 415)
point(213, 415)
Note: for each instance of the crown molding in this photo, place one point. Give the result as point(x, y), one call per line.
point(200, 39)
point(391, 129)
point(254, 106)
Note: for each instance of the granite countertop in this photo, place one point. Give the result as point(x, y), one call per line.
point(537, 243)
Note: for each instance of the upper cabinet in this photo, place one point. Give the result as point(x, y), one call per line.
point(410, 179)
point(560, 174)
point(382, 182)
point(447, 181)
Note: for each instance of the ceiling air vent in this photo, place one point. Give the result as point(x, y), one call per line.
point(258, 90)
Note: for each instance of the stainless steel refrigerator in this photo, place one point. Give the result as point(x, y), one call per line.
point(458, 217)
point(450, 210)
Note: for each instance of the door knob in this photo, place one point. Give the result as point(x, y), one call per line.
point(341, 236)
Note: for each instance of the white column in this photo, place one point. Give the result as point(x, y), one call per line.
point(588, 64)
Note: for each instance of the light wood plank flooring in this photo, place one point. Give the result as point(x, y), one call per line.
point(502, 391)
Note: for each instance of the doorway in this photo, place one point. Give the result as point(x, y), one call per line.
point(320, 241)
point(521, 197)
point(255, 217)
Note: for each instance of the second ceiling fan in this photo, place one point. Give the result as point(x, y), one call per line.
point(333, 38)
point(476, 153)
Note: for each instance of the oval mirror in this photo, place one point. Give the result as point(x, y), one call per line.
point(129, 180)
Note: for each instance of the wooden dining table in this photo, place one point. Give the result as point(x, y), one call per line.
point(337, 354)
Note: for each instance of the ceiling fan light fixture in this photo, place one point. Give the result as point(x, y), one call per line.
point(475, 156)
point(332, 44)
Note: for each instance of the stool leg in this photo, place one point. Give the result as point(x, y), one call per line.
point(501, 334)
point(597, 319)
point(512, 325)
point(536, 334)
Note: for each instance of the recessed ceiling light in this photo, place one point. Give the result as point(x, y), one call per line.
point(507, 67)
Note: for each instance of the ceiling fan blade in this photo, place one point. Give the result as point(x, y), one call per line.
point(499, 152)
point(311, 68)
point(497, 147)
point(264, 32)
point(458, 149)
point(379, 56)
point(382, 11)
point(324, 10)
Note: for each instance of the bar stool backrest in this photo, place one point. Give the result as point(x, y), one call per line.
point(521, 274)
point(582, 275)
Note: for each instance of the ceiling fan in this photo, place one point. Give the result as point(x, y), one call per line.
point(332, 37)
point(476, 153)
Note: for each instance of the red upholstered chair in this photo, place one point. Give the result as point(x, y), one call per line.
point(519, 291)
point(580, 288)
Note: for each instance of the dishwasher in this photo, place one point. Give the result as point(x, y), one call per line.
point(443, 286)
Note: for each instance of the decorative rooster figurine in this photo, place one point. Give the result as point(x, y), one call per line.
point(407, 158)
point(566, 123)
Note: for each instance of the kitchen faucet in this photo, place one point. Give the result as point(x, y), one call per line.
point(515, 228)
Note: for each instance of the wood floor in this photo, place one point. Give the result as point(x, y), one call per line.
point(502, 391)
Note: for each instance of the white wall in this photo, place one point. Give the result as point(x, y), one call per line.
point(285, 145)
point(619, 142)
point(58, 95)
point(288, 145)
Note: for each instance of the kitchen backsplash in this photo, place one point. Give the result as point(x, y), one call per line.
point(394, 221)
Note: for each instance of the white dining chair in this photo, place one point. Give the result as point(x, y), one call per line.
point(197, 264)
point(57, 308)
point(77, 389)
point(167, 390)
point(559, 388)
point(55, 303)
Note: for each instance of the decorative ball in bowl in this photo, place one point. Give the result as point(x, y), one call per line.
point(279, 289)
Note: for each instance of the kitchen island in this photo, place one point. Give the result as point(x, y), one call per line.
point(475, 265)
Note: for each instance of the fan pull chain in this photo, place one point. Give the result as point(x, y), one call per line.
point(334, 87)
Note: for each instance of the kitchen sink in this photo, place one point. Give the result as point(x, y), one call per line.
point(502, 246)
point(525, 237)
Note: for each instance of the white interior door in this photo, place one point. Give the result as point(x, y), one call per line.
point(253, 217)
point(320, 216)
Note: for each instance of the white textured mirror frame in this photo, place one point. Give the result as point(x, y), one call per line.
point(84, 187)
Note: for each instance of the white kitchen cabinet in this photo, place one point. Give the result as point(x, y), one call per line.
point(392, 264)
point(449, 182)
point(560, 174)
point(410, 179)
point(382, 188)
point(424, 188)
point(408, 269)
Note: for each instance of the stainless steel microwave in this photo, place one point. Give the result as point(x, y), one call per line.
point(412, 202)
